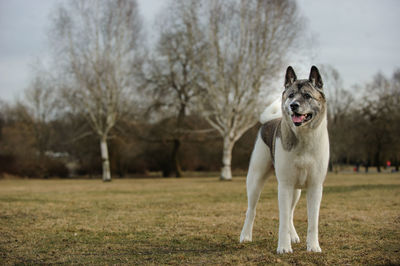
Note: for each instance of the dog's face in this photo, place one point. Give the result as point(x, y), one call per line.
point(303, 101)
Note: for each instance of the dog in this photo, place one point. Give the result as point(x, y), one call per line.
point(293, 140)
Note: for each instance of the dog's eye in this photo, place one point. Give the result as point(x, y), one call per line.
point(307, 96)
point(291, 95)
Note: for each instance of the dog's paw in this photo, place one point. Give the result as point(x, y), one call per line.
point(245, 238)
point(294, 238)
point(282, 250)
point(313, 248)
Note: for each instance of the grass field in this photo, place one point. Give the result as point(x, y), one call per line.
point(191, 221)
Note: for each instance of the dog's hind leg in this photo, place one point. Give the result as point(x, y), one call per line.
point(259, 169)
point(292, 231)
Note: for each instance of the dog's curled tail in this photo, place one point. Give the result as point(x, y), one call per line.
point(272, 111)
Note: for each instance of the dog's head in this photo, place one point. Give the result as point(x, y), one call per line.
point(303, 101)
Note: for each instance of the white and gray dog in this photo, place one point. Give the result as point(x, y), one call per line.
point(294, 141)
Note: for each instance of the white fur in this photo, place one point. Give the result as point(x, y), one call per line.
point(304, 166)
point(273, 111)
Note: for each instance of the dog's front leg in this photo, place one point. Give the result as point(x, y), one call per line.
point(285, 197)
point(314, 195)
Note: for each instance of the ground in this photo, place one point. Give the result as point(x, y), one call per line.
point(191, 221)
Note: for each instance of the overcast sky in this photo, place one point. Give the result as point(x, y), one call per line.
point(357, 37)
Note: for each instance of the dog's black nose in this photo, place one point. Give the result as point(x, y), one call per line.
point(294, 106)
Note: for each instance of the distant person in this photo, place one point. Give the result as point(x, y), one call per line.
point(388, 164)
point(357, 168)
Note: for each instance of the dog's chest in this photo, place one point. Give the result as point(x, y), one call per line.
point(299, 166)
point(302, 167)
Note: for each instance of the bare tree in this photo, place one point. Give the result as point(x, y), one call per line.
point(248, 43)
point(338, 97)
point(377, 112)
point(95, 43)
point(394, 102)
point(339, 103)
point(38, 108)
point(171, 74)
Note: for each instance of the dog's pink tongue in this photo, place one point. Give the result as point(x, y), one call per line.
point(298, 119)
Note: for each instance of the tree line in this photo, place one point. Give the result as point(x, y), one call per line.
point(364, 123)
point(111, 101)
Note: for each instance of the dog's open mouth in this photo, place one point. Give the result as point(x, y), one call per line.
point(299, 119)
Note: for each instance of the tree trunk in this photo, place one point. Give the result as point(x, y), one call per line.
point(175, 158)
point(377, 161)
point(330, 166)
point(105, 160)
point(226, 172)
point(176, 164)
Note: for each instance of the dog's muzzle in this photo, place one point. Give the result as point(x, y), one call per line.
point(298, 118)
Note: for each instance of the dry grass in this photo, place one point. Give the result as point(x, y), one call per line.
point(191, 221)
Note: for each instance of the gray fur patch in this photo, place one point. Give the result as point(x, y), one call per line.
point(274, 129)
point(269, 132)
point(288, 138)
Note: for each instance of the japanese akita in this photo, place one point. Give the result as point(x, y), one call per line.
point(293, 140)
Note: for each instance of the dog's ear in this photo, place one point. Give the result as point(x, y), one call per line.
point(290, 77)
point(315, 78)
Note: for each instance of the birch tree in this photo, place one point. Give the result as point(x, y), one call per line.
point(94, 43)
point(248, 43)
